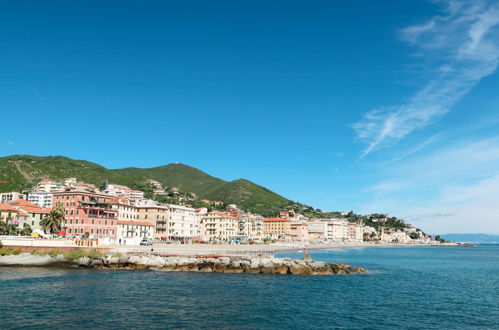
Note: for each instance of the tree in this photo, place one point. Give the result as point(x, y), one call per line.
point(414, 235)
point(51, 223)
point(26, 231)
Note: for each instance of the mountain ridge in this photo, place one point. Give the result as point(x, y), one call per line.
point(18, 172)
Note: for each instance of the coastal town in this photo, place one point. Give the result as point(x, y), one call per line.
point(113, 214)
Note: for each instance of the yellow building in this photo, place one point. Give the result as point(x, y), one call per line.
point(276, 227)
point(219, 227)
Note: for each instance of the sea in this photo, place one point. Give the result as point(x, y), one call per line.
point(406, 288)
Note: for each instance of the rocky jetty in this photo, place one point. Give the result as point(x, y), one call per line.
point(252, 265)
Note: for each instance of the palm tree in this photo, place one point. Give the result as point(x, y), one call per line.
point(51, 223)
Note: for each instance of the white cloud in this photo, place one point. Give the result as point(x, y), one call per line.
point(453, 189)
point(10, 143)
point(463, 45)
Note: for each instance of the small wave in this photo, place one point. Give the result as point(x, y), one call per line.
point(27, 259)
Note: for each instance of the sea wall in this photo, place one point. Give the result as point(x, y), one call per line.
point(252, 265)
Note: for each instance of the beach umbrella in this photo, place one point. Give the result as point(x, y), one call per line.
point(62, 233)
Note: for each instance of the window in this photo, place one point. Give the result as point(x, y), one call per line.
point(71, 221)
point(76, 221)
point(82, 221)
point(92, 221)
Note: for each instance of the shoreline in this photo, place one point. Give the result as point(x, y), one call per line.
point(197, 249)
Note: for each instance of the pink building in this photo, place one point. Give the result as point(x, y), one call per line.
point(87, 212)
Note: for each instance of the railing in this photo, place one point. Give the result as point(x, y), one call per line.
point(195, 253)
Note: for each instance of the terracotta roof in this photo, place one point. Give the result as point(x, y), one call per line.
point(275, 220)
point(27, 206)
point(134, 223)
point(5, 207)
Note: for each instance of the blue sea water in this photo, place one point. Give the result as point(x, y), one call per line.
point(407, 288)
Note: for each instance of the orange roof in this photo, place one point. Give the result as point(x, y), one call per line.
point(134, 223)
point(5, 207)
point(275, 220)
point(27, 206)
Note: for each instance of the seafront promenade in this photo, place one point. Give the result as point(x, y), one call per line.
point(194, 249)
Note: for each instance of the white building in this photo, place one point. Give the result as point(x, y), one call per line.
point(250, 227)
point(183, 223)
point(48, 186)
point(337, 230)
point(318, 230)
point(41, 198)
point(121, 191)
point(10, 196)
point(126, 212)
point(132, 232)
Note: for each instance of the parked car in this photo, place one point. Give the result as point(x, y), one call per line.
point(145, 242)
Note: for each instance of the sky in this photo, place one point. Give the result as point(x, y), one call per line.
point(371, 106)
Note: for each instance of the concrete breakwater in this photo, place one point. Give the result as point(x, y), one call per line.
point(252, 265)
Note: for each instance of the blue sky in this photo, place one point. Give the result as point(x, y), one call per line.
point(371, 106)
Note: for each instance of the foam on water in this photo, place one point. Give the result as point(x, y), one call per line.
point(27, 259)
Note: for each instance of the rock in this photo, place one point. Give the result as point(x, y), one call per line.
point(300, 270)
point(233, 270)
point(156, 261)
point(140, 266)
point(124, 260)
point(206, 270)
point(245, 263)
point(97, 263)
point(183, 261)
point(253, 270)
point(84, 262)
point(266, 263)
point(255, 264)
point(225, 261)
point(282, 269)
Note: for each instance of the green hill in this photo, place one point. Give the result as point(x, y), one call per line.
point(20, 172)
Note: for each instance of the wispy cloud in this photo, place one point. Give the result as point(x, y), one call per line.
point(453, 188)
point(463, 45)
point(10, 143)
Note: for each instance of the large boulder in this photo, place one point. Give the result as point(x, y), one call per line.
point(225, 261)
point(206, 269)
point(298, 269)
point(84, 262)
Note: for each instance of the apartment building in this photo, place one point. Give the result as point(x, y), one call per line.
point(11, 196)
point(156, 214)
point(133, 232)
point(251, 227)
point(277, 228)
point(219, 227)
point(183, 223)
point(88, 212)
point(41, 198)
